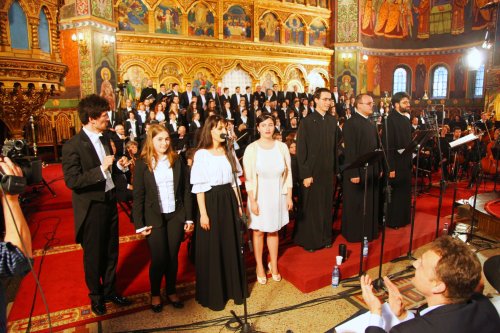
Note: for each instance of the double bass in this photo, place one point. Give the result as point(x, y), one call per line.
point(490, 163)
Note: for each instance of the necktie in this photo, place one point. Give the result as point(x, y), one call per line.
point(105, 152)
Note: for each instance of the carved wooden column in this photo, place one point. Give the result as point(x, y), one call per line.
point(35, 41)
point(4, 36)
point(306, 35)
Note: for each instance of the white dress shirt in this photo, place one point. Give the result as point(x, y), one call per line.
point(101, 152)
point(164, 177)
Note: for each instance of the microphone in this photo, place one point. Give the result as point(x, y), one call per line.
point(224, 136)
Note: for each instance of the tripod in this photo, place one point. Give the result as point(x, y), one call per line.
point(419, 138)
point(245, 325)
point(363, 162)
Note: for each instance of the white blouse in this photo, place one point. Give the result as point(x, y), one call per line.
point(164, 177)
point(210, 170)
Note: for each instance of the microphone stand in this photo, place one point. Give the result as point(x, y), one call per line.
point(245, 325)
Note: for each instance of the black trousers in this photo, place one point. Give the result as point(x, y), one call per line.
point(164, 243)
point(100, 247)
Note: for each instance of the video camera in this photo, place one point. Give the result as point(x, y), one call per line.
point(30, 166)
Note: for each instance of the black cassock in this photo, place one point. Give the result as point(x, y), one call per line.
point(360, 137)
point(317, 158)
point(399, 137)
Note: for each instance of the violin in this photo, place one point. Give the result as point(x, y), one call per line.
point(489, 164)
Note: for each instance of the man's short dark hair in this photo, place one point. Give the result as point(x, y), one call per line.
point(457, 129)
point(318, 92)
point(226, 88)
point(397, 97)
point(162, 85)
point(247, 87)
point(174, 85)
point(92, 106)
point(238, 87)
point(459, 268)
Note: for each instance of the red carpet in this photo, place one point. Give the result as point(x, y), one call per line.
point(493, 207)
point(62, 277)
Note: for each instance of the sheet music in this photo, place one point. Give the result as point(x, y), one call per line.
point(462, 140)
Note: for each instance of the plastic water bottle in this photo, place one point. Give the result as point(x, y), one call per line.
point(335, 277)
point(445, 229)
point(365, 247)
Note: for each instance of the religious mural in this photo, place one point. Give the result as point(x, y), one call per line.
point(132, 16)
point(377, 76)
point(201, 21)
point(237, 24)
point(420, 77)
point(137, 78)
point(269, 29)
point(168, 18)
point(459, 78)
point(202, 78)
point(412, 20)
point(105, 82)
point(347, 21)
point(346, 83)
point(102, 9)
point(317, 33)
point(268, 79)
point(294, 31)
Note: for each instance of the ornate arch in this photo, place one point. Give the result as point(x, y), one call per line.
point(163, 62)
point(290, 68)
point(125, 66)
point(272, 68)
point(207, 4)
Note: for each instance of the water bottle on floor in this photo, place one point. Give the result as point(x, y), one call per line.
point(365, 247)
point(335, 277)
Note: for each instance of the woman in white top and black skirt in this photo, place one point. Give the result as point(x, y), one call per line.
point(162, 209)
point(219, 269)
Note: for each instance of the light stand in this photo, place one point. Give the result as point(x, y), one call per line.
point(246, 327)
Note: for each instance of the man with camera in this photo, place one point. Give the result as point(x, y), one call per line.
point(15, 249)
point(88, 164)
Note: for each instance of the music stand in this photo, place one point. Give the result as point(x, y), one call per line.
point(363, 161)
point(419, 138)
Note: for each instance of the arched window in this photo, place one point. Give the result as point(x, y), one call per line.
point(18, 27)
point(479, 82)
point(43, 32)
point(401, 80)
point(440, 82)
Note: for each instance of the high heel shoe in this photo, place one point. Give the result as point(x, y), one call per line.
point(261, 280)
point(176, 304)
point(276, 277)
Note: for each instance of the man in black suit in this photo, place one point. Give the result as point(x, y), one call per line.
point(335, 95)
point(149, 90)
point(292, 95)
point(187, 96)
point(202, 101)
point(259, 95)
point(447, 275)
point(163, 94)
point(307, 95)
point(235, 99)
point(225, 96)
point(248, 96)
point(87, 162)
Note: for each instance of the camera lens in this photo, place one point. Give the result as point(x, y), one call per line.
point(19, 144)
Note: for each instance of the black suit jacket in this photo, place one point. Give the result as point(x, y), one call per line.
point(477, 315)
point(184, 100)
point(249, 100)
point(260, 96)
point(83, 175)
point(146, 208)
point(234, 101)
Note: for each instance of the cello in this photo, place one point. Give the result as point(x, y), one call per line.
point(490, 163)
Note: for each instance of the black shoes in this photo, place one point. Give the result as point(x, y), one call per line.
point(99, 308)
point(118, 300)
point(157, 308)
point(176, 304)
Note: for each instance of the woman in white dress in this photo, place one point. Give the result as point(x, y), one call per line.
point(268, 181)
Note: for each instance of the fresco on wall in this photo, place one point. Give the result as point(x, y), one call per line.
point(496, 47)
point(420, 77)
point(237, 24)
point(347, 21)
point(105, 83)
point(346, 83)
point(269, 29)
point(294, 31)
point(377, 76)
point(363, 78)
point(137, 78)
point(102, 9)
point(132, 16)
point(202, 78)
point(200, 21)
point(399, 23)
point(317, 33)
point(323, 3)
point(168, 18)
point(459, 79)
point(268, 79)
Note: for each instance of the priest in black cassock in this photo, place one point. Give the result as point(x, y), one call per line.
point(398, 135)
point(317, 161)
point(360, 138)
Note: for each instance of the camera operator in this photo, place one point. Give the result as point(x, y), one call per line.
point(15, 249)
